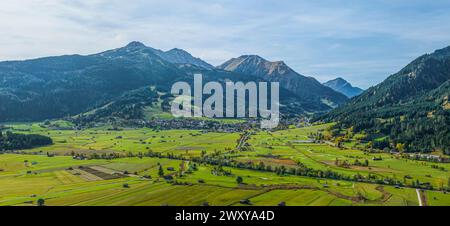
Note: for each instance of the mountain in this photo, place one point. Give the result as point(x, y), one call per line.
point(97, 86)
point(179, 56)
point(125, 108)
point(410, 107)
point(146, 103)
point(344, 87)
point(55, 87)
point(174, 56)
point(306, 88)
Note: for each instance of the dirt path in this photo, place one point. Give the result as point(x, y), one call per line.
point(244, 138)
point(424, 198)
point(386, 195)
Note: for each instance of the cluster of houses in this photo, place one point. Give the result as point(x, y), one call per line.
point(428, 157)
point(195, 124)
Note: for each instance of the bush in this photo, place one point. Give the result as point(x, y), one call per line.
point(41, 202)
point(239, 180)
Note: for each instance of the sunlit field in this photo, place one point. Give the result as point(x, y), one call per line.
point(53, 173)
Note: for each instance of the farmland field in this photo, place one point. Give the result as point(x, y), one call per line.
point(125, 167)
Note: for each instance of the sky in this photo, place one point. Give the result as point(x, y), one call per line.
point(361, 41)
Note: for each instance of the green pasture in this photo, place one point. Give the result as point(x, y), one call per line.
point(31, 174)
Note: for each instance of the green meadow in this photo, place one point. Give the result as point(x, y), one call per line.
point(104, 140)
point(52, 173)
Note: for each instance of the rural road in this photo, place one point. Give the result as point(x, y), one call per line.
point(418, 197)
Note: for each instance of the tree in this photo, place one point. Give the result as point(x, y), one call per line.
point(160, 171)
point(400, 147)
point(448, 184)
point(261, 166)
point(339, 141)
point(281, 171)
point(239, 180)
point(41, 202)
point(366, 162)
point(370, 144)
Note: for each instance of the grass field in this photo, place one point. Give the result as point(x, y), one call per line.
point(185, 142)
point(50, 179)
point(29, 175)
point(287, 145)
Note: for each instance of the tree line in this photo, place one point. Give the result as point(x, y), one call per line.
point(14, 141)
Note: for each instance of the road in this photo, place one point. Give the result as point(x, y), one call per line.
point(418, 197)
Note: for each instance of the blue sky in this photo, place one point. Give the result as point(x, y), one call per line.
point(361, 41)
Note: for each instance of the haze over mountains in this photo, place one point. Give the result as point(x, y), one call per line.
point(61, 86)
point(344, 87)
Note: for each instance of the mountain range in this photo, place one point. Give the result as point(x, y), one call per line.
point(344, 87)
point(409, 109)
point(61, 86)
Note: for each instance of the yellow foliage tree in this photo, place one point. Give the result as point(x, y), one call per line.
point(400, 147)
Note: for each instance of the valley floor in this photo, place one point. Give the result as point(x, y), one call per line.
point(135, 178)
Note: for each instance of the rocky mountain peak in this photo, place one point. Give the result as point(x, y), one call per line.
point(135, 44)
point(341, 85)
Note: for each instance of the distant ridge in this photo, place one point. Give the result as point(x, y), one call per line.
point(344, 87)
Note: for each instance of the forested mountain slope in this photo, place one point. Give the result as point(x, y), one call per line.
point(410, 107)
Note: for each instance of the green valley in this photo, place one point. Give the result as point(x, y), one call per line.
point(102, 166)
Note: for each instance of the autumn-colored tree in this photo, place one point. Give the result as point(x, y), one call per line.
point(400, 147)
